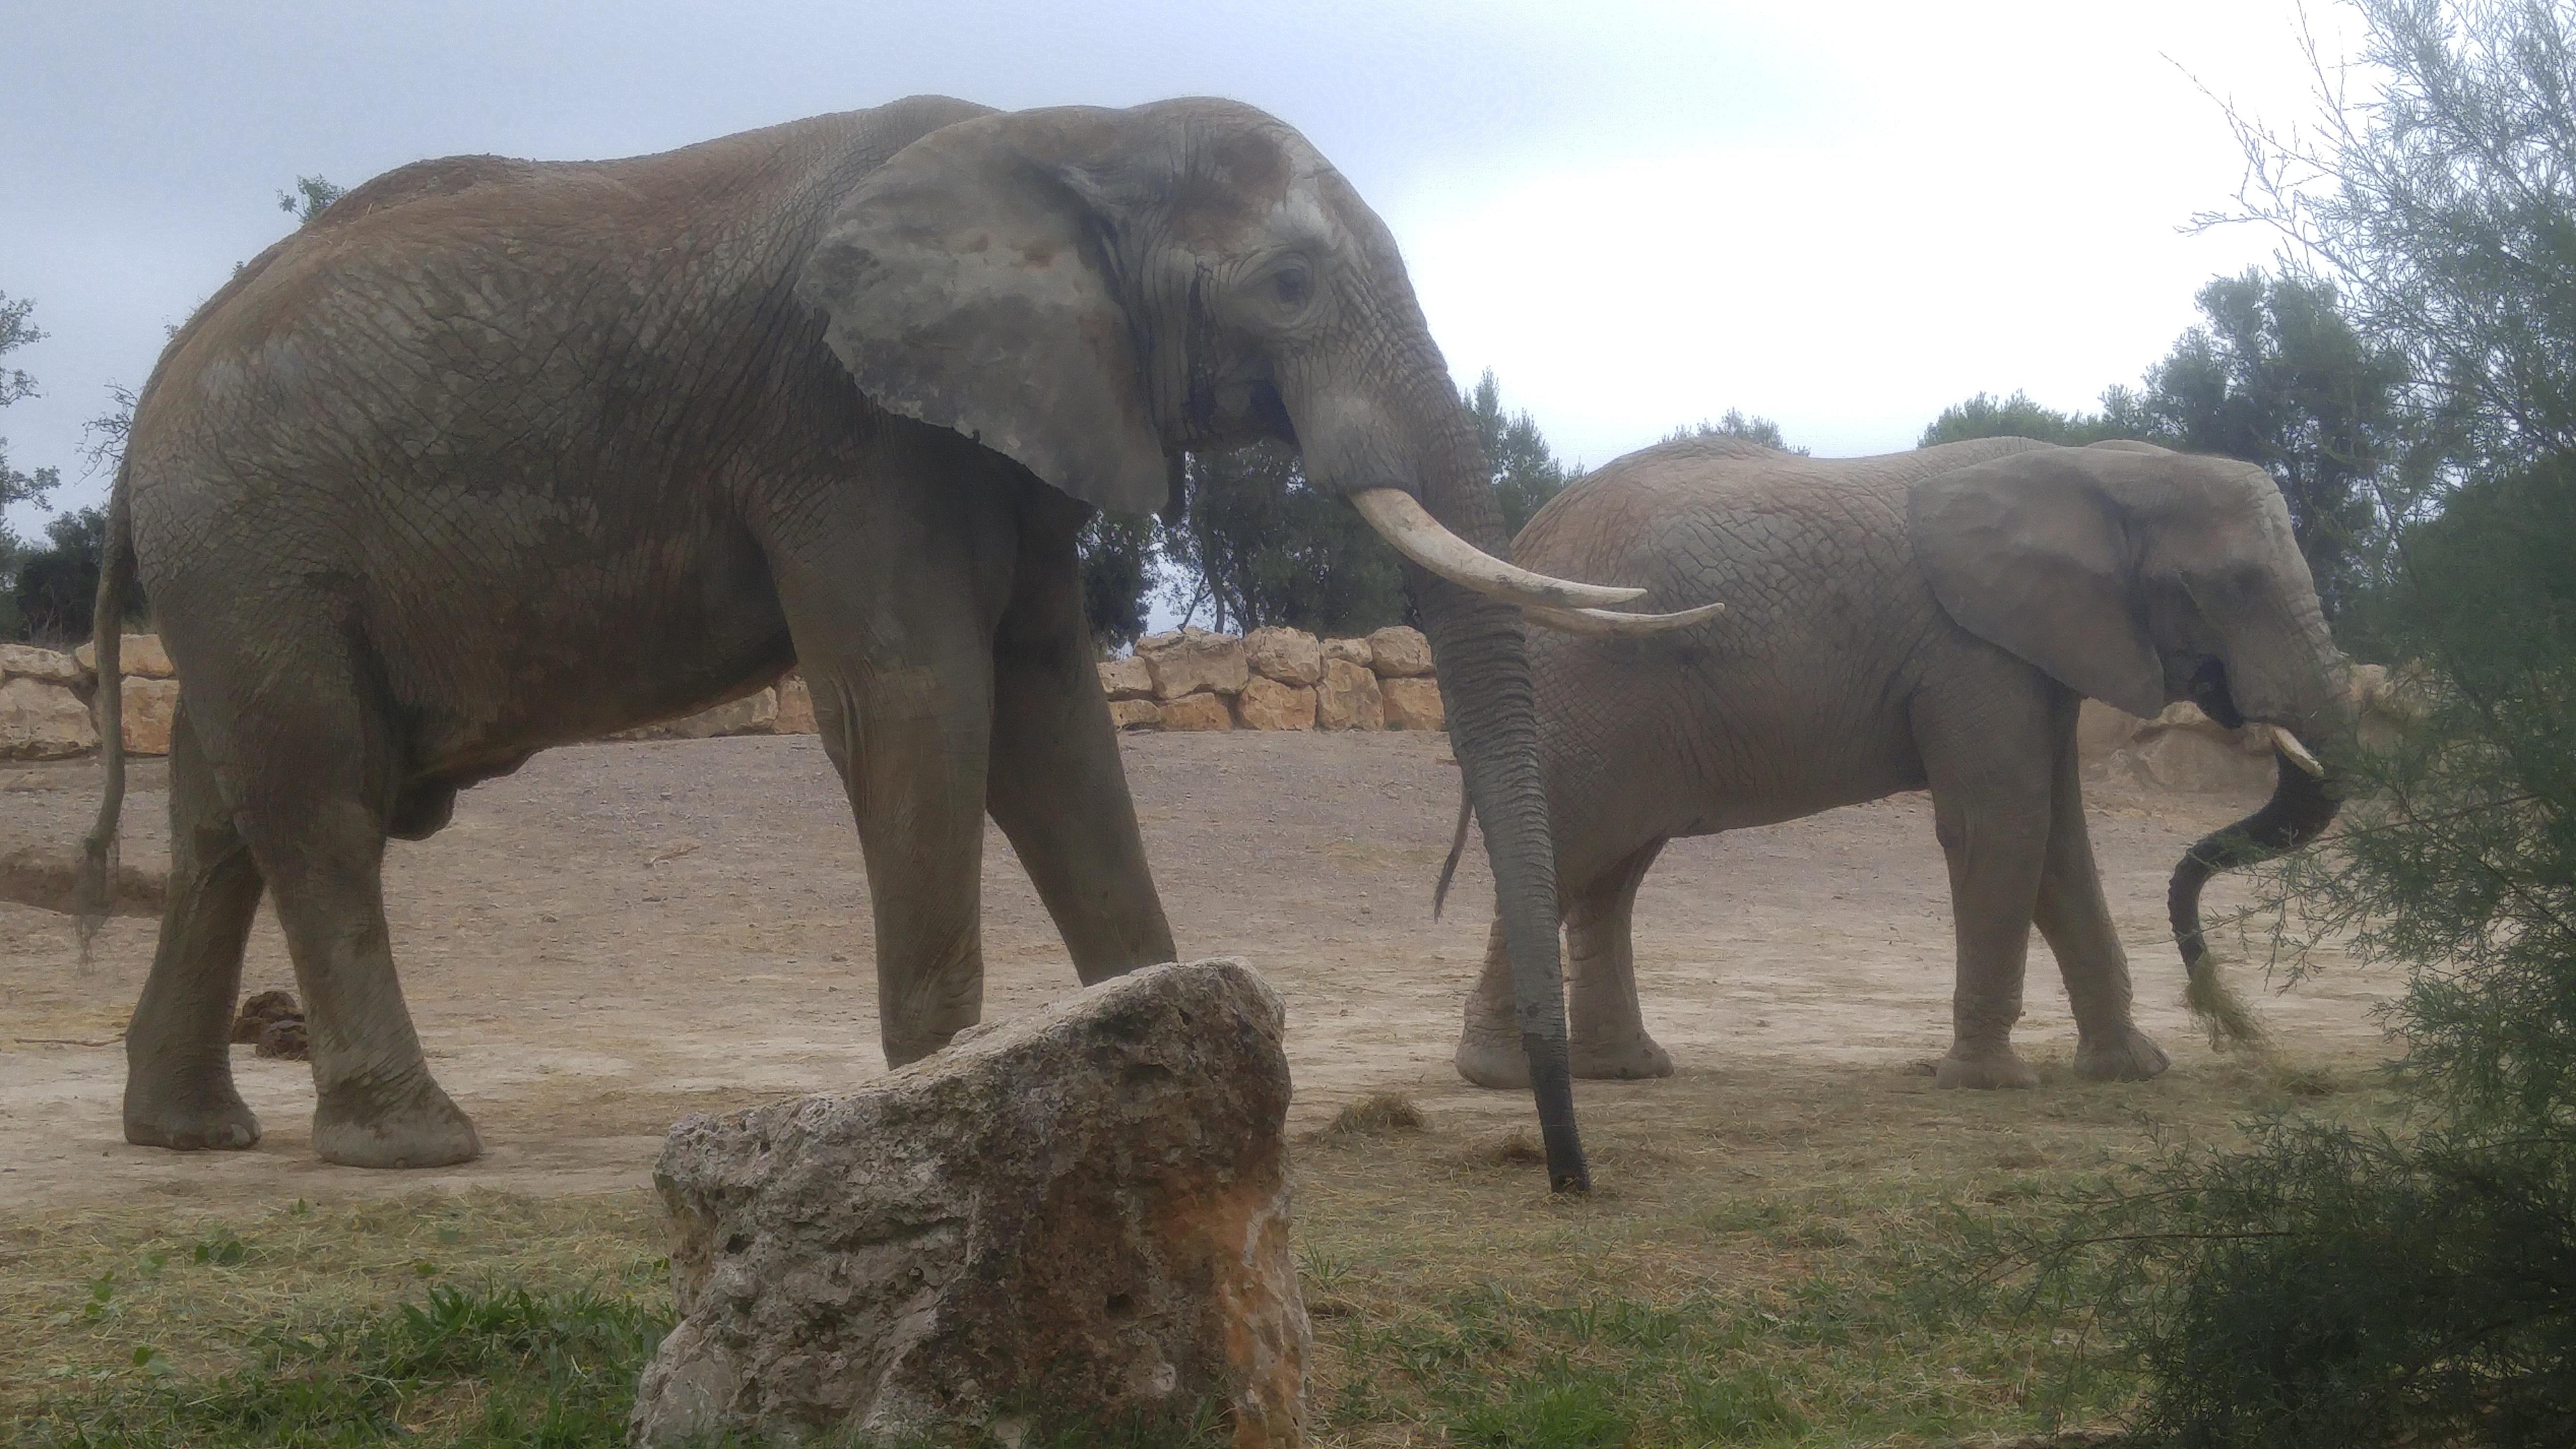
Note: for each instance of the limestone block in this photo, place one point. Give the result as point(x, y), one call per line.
point(146, 708)
point(1355, 650)
point(41, 721)
point(753, 714)
point(1399, 651)
point(26, 661)
point(1135, 714)
point(1267, 704)
point(1200, 711)
point(1290, 656)
point(795, 707)
point(1126, 678)
point(136, 654)
point(1413, 704)
point(1193, 660)
point(1349, 698)
point(2101, 729)
point(1078, 1216)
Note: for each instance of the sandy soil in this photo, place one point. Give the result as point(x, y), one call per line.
point(623, 933)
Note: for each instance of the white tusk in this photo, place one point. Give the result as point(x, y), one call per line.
point(1420, 537)
point(1604, 624)
point(2288, 744)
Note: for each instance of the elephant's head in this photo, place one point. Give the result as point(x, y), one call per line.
point(2139, 577)
point(1092, 292)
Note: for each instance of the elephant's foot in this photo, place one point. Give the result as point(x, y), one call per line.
point(1629, 1060)
point(1491, 1056)
point(201, 1118)
point(1983, 1069)
point(417, 1126)
point(2125, 1055)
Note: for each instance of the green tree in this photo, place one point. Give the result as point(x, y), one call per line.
point(1524, 471)
point(1119, 571)
point(1257, 546)
point(2277, 376)
point(1736, 425)
point(2017, 416)
point(1260, 547)
point(16, 332)
point(311, 197)
point(2415, 1283)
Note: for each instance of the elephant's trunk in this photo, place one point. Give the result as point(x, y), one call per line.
point(2301, 807)
point(1493, 731)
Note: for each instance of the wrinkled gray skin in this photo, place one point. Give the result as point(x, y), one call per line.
point(496, 455)
point(1933, 619)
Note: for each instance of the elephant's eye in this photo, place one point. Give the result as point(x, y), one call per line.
point(1292, 284)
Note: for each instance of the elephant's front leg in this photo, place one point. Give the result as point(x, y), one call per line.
point(2075, 918)
point(892, 616)
point(1057, 787)
point(1990, 776)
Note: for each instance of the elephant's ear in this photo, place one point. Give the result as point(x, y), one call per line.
point(2027, 552)
point(967, 283)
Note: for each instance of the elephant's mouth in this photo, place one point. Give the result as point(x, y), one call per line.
point(2208, 689)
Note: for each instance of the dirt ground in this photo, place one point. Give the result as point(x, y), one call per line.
point(624, 933)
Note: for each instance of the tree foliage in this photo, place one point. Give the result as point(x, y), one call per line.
point(1735, 424)
point(1119, 571)
point(1258, 546)
point(311, 197)
point(2275, 375)
point(16, 332)
point(2414, 1284)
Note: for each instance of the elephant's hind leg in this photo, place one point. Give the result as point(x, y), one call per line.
point(1489, 1052)
point(309, 766)
point(178, 1048)
point(1608, 1030)
point(2075, 918)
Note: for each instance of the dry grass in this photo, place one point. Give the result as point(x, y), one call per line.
point(1748, 1272)
point(1378, 1114)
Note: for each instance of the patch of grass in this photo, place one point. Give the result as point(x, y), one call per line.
point(1378, 1114)
point(492, 1367)
point(1751, 1270)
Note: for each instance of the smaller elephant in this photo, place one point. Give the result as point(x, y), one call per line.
point(1931, 618)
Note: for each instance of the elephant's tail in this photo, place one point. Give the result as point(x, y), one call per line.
point(1457, 847)
point(90, 901)
point(2299, 810)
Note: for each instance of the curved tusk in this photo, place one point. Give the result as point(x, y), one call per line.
point(1420, 537)
point(1604, 624)
point(2288, 744)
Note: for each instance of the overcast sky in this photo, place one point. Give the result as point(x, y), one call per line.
point(1639, 214)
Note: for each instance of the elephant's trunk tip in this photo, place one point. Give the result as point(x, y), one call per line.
point(2224, 1012)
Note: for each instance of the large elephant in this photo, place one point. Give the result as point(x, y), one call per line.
point(1934, 619)
point(495, 455)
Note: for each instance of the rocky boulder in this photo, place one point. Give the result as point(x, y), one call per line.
point(1193, 660)
point(41, 721)
point(1267, 704)
point(137, 655)
point(1135, 714)
point(1201, 711)
point(26, 661)
point(1078, 1216)
point(147, 708)
point(1354, 651)
point(1126, 678)
point(1348, 699)
point(1399, 651)
point(753, 714)
point(1290, 656)
point(1413, 704)
point(795, 707)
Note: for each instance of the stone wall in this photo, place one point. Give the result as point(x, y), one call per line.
point(45, 696)
point(1275, 679)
